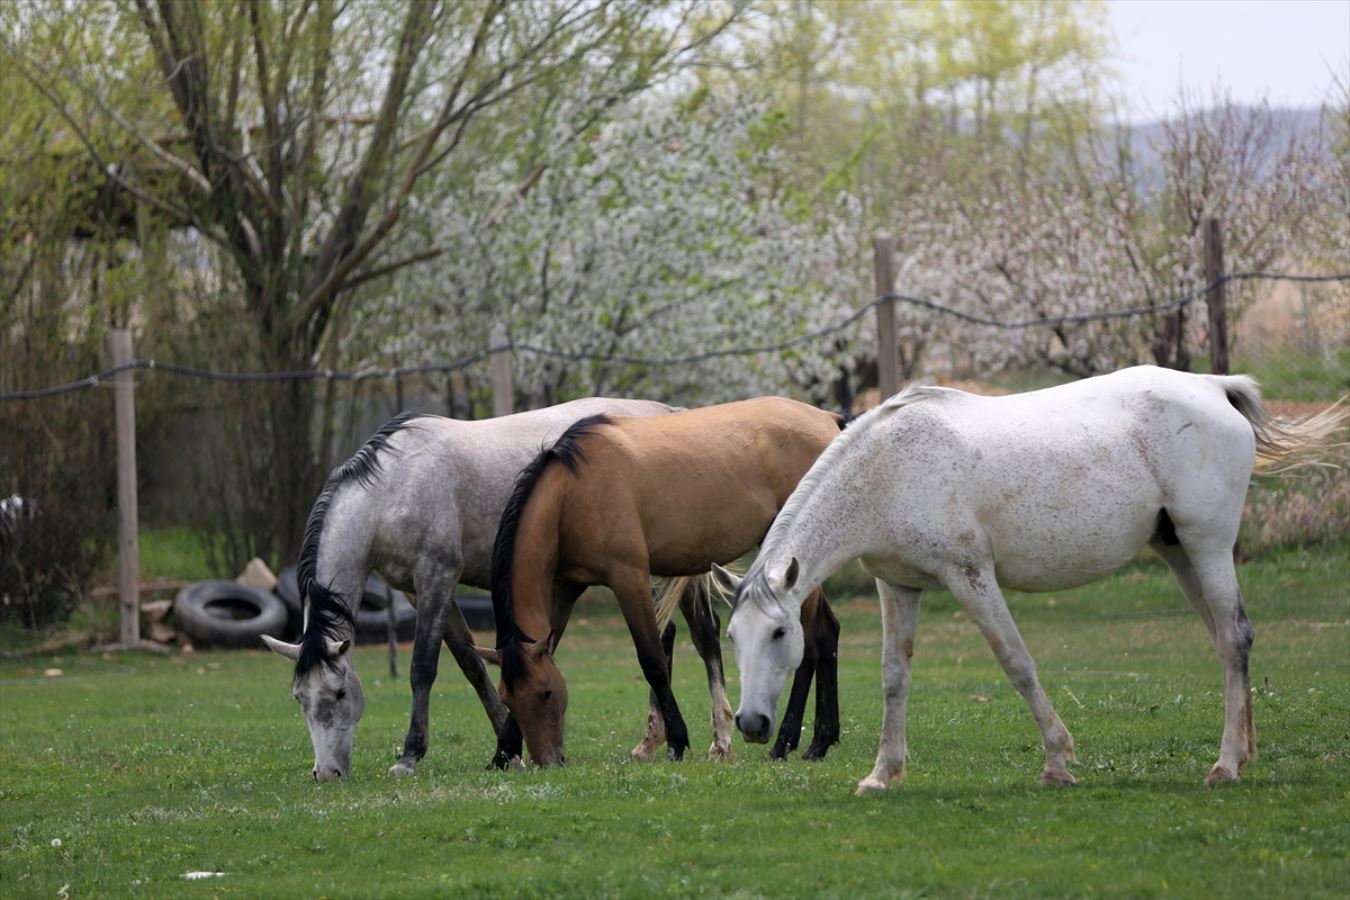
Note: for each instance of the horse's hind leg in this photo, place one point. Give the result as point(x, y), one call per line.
point(655, 735)
point(1210, 584)
point(705, 632)
point(825, 733)
point(899, 621)
point(979, 593)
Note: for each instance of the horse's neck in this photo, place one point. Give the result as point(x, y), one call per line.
point(533, 569)
point(813, 530)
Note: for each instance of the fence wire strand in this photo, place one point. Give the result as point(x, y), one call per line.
point(585, 356)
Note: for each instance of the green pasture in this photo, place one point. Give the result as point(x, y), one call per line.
point(145, 768)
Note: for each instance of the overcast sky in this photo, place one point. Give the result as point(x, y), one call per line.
point(1285, 50)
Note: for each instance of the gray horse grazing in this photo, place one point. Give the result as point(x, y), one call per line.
point(420, 504)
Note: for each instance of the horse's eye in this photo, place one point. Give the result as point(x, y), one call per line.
point(341, 695)
point(548, 694)
point(778, 633)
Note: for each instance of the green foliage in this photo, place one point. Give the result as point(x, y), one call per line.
point(176, 554)
point(147, 768)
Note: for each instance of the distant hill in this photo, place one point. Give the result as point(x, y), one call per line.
point(1146, 137)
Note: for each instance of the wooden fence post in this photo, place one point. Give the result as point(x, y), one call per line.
point(503, 403)
point(128, 567)
point(888, 354)
point(1216, 298)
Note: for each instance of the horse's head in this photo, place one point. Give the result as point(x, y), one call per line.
point(767, 634)
point(533, 688)
point(331, 702)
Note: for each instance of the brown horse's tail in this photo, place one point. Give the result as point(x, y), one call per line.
point(707, 586)
point(1287, 443)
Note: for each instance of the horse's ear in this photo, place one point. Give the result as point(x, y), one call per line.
point(541, 648)
point(337, 648)
point(290, 651)
point(790, 577)
point(728, 579)
point(491, 656)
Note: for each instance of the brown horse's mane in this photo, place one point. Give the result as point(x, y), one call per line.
point(567, 451)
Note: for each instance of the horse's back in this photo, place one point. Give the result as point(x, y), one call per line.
point(446, 481)
point(701, 485)
point(1063, 485)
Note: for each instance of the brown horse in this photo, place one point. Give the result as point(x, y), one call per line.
point(615, 501)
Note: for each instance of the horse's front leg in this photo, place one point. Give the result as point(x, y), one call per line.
point(433, 607)
point(655, 734)
point(899, 621)
point(790, 731)
point(980, 594)
point(825, 733)
point(632, 589)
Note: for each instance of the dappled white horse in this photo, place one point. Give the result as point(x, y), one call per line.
point(419, 502)
point(940, 489)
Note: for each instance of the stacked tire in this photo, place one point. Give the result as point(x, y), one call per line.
point(229, 614)
point(372, 618)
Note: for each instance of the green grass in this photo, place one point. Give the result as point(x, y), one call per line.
point(146, 768)
point(1295, 375)
point(175, 554)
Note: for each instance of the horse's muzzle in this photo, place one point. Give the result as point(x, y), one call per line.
point(327, 774)
point(754, 727)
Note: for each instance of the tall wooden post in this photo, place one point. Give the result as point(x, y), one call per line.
point(888, 353)
point(128, 567)
point(1216, 298)
point(500, 368)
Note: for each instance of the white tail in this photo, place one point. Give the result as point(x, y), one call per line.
point(1287, 443)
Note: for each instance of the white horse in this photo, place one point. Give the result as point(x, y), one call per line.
point(940, 489)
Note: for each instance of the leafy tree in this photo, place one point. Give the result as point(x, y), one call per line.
point(658, 236)
point(292, 137)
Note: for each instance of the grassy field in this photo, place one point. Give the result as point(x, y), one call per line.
point(123, 773)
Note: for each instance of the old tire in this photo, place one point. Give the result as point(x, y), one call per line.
point(372, 624)
point(288, 590)
point(476, 608)
point(228, 614)
point(372, 600)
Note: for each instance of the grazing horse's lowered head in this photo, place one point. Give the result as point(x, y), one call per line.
point(331, 701)
point(325, 682)
point(766, 631)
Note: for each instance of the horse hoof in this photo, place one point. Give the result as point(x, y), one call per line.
point(644, 750)
point(1057, 778)
point(869, 785)
point(403, 769)
point(1221, 774)
point(674, 754)
point(721, 753)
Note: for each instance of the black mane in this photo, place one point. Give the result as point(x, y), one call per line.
point(328, 609)
point(567, 451)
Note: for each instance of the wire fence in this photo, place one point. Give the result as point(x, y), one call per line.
point(834, 328)
point(211, 442)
